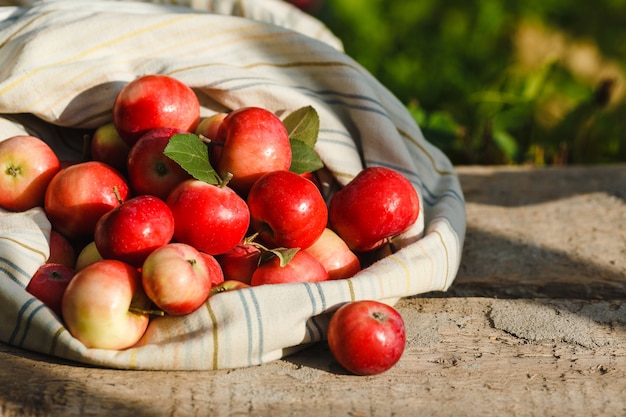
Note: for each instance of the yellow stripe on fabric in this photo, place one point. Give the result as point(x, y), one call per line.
point(445, 249)
point(351, 288)
point(425, 152)
point(432, 264)
point(215, 363)
point(406, 269)
point(55, 339)
point(90, 51)
point(132, 363)
point(25, 246)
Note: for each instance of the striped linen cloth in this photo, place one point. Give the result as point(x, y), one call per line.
point(63, 63)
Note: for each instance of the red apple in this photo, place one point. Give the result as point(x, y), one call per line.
point(88, 255)
point(215, 269)
point(49, 283)
point(240, 262)
point(104, 305)
point(176, 278)
point(132, 230)
point(332, 252)
point(27, 165)
point(61, 250)
point(209, 126)
point(377, 204)
point(212, 218)
point(250, 142)
point(149, 170)
point(151, 101)
point(287, 210)
point(80, 194)
point(107, 146)
point(366, 337)
point(301, 268)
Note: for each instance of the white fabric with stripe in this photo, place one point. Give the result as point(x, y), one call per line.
point(63, 63)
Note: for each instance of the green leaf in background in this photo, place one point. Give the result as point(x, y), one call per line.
point(304, 158)
point(188, 151)
point(304, 125)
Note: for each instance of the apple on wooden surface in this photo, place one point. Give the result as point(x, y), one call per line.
point(27, 165)
point(366, 337)
point(48, 284)
point(78, 195)
point(154, 100)
point(105, 307)
point(377, 204)
point(176, 278)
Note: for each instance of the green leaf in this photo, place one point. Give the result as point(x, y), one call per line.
point(304, 125)
point(284, 255)
point(303, 158)
point(188, 151)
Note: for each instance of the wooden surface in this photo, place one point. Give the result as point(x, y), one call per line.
point(534, 325)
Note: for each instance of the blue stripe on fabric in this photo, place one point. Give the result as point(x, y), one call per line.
point(248, 325)
point(29, 321)
point(20, 316)
point(259, 322)
point(14, 267)
point(310, 330)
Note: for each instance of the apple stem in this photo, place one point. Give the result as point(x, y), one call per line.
point(152, 312)
point(206, 139)
point(117, 194)
point(227, 177)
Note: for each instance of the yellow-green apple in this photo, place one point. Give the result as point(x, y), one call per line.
point(48, 284)
point(27, 165)
point(211, 218)
point(366, 337)
point(377, 204)
point(104, 305)
point(209, 126)
point(107, 146)
point(132, 230)
point(78, 195)
point(176, 278)
point(88, 254)
point(61, 250)
point(150, 171)
point(287, 210)
point(240, 262)
point(228, 285)
point(250, 142)
point(303, 267)
point(335, 255)
point(154, 100)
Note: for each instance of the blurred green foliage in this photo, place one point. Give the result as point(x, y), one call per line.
point(496, 82)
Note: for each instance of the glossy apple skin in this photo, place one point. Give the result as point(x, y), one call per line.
point(107, 146)
point(211, 218)
point(209, 126)
point(27, 165)
point(149, 170)
point(240, 262)
point(49, 283)
point(254, 141)
point(151, 101)
point(227, 285)
point(61, 250)
point(97, 305)
point(335, 255)
point(287, 210)
point(366, 337)
point(80, 194)
point(132, 230)
point(216, 274)
point(377, 204)
point(176, 278)
point(301, 268)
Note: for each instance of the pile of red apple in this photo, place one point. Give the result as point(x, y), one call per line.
point(170, 209)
